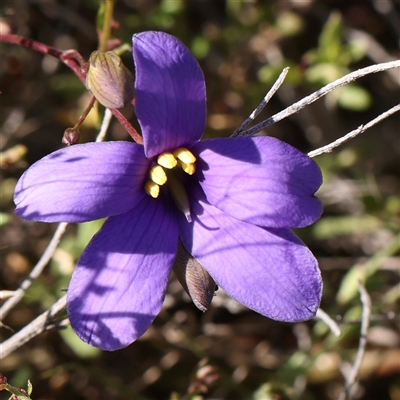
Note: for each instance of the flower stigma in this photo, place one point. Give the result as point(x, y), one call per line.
point(167, 169)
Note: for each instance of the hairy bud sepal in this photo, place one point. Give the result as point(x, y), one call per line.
point(109, 80)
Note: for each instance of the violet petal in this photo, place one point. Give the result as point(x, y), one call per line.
point(119, 284)
point(270, 271)
point(260, 180)
point(82, 183)
point(169, 92)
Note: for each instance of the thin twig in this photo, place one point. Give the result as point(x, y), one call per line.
point(390, 316)
point(37, 326)
point(127, 125)
point(351, 374)
point(104, 125)
point(294, 108)
point(263, 103)
point(71, 58)
point(37, 270)
point(6, 294)
point(41, 323)
point(329, 147)
point(375, 51)
point(332, 325)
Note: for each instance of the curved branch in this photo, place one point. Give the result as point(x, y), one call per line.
point(38, 325)
point(361, 129)
point(294, 108)
point(37, 270)
point(45, 320)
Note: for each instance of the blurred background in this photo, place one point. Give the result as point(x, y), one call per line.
point(242, 47)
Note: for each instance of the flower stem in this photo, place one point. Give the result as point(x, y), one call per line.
point(108, 16)
point(85, 113)
point(126, 124)
point(71, 58)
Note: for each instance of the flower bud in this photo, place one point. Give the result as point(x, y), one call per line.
point(71, 136)
point(109, 80)
point(196, 281)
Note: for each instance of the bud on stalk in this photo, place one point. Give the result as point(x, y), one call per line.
point(71, 136)
point(109, 80)
point(196, 281)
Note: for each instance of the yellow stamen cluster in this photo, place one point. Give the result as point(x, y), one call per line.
point(181, 158)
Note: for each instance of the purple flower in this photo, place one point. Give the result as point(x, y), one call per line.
point(233, 214)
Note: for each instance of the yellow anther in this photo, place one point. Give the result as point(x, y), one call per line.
point(189, 168)
point(152, 189)
point(167, 160)
point(184, 155)
point(158, 175)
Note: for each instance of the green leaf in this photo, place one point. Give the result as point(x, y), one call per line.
point(171, 6)
point(330, 227)
point(324, 72)
point(100, 17)
point(81, 349)
point(330, 40)
point(289, 23)
point(200, 47)
point(4, 218)
point(269, 73)
point(29, 388)
point(361, 272)
point(85, 232)
point(354, 98)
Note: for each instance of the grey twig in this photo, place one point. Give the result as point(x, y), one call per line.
point(104, 125)
point(294, 108)
point(332, 325)
point(351, 373)
point(38, 325)
point(390, 316)
point(263, 103)
point(374, 50)
point(46, 320)
point(37, 270)
point(329, 147)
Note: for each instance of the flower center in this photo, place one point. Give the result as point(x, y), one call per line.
point(167, 170)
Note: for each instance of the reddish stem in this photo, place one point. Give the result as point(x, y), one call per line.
point(73, 60)
point(125, 123)
point(85, 113)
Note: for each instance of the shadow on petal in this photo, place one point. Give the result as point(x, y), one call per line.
point(119, 284)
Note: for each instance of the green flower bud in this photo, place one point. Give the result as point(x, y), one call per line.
point(109, 80)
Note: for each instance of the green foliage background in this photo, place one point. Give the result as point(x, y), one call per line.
point(242, 47)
